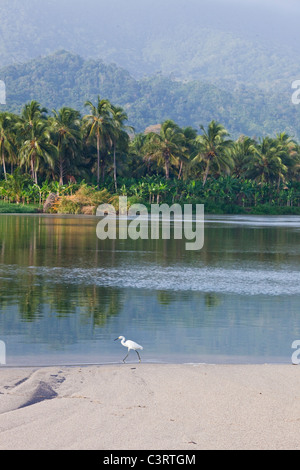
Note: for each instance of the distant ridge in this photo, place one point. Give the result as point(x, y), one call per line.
point(66, 79)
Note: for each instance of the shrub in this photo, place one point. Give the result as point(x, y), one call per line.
point(84, 201)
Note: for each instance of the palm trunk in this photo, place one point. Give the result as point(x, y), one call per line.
point(103, 170)
point(206, 172)
point(115, 168)
point(167, 166)
point(3, 164)
point(278, 184)
point(61, 174)
point(32, 168)
point(33, 171)
point(61, 167)
point(180, 170)
point(98, 161)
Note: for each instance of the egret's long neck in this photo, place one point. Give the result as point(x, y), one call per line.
point(123, 341)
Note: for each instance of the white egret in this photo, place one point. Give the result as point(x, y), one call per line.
point(130, 345)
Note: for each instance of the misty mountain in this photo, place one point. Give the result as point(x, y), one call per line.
point(223, 42)
point(65, 79)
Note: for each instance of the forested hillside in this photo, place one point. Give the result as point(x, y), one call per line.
point(64, 79)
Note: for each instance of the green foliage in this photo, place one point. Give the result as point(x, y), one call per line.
point(167, 164)
point(7, 208)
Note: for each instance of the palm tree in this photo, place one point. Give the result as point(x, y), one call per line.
point(214, 148)
point(189, 142)
point(99, 124)
point(242, 152)
point(136, 164)
point(266, 165)
point(6, 123)
point(119, 117)
point(290, 154)
point(38, 147)
point(66, 129)
point(31, 114)
point(167, 146)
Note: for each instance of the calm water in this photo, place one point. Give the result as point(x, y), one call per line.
point(65, 295)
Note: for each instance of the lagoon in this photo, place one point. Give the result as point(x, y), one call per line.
point(65, 294)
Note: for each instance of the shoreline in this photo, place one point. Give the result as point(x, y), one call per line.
point(233, 210)
point(94, 216)
point(150, 406)
point(117, 363)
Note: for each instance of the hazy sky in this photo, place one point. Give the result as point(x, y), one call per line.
point(268, 3)
point(281, 5)
point(134, 24)
point(281, 14)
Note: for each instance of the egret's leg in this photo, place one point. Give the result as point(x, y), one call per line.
point(138, 355)
point(125, 357)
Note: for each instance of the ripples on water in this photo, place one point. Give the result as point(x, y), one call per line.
point(176, 278)
point(257, 221)
point(64, 294)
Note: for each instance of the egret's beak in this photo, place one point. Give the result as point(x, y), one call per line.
point(116, 339)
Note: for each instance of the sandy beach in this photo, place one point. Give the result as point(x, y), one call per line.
point(150, 406)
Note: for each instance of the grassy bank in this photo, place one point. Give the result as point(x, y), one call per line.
point(10, 208)
point(260, 209)
point(72, 208)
